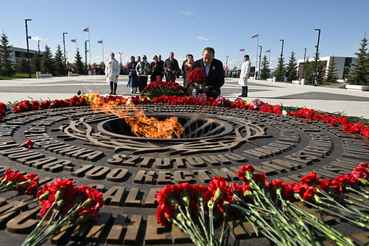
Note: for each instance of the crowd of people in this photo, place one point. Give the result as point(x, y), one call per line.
point(140, 70)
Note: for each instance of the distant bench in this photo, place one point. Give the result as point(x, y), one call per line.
point(46, 75)
point(70, 74)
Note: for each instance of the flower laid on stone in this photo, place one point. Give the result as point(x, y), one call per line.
point(178, 203)
point(197, 76)
point(3, 109)
point(270, 207)
point(220, 100)
point(203, 96)
point(157, 97)
point(28, 143)
point(16, 181)
point(64, 206)
point(257, 104)
point(238, 100)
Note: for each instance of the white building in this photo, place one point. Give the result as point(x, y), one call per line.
point(16, 53)
point(342, 65)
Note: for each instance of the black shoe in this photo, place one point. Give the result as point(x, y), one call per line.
point(114, 94)
point(111, 93)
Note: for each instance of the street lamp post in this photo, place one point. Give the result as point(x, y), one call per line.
point(38, 47)
point(227, 64)
point(261, 48)
point(316, 57)
point(29, 64)
point(86, 56)
point(120, 61)
point(280, 62)
point(120, 57)
point(304, 55)
point(65, 57)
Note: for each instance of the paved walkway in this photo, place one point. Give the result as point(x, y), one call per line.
point(350, 103)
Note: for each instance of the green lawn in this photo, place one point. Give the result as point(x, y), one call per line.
point(321, 84)
point(19, 76)
point(23, 76)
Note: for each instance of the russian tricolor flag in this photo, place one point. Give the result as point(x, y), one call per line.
point(267, 51)
point(73, 40)
point(85, 29)
point(242, 50)
point(100, 41)
point(256, 35)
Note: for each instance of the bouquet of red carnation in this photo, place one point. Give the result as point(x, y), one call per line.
point(155, 66)
point(147, 68)
point(178, 203)
point(15, 181)
point(64, 204)
point(197, 76)
point(158, 88)
point(2, 110)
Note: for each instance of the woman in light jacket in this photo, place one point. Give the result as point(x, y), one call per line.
point(142, 70)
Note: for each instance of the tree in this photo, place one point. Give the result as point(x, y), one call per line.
point(307, 74)
point(265, 71)
point(292, 66)
point(47, 63)
point(319, 68)
point(280, 67)
point(35, 63)
point(79, 63)
point(6, 63)
point(359, 72)
point(331, 71)
point(22, 64)
point(58, 62)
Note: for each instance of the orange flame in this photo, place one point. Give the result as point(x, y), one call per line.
point(141, 125)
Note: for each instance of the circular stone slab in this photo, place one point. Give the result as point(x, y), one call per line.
point(96, 149)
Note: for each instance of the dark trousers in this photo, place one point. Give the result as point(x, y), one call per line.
point(170, 77)
point(142, 83)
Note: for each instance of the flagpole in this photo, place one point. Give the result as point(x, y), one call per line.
point(89, 42)
point(103, 49)
point(76, 46)
point(257, 49)
point(270, 49)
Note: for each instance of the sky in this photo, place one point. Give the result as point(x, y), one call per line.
point(161, 26)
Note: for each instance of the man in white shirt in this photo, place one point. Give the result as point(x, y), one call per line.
point(245, 71)
point(112, 73)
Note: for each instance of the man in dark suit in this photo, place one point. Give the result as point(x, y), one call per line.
point(170, 68)
point(161, 62)
point(214, 70)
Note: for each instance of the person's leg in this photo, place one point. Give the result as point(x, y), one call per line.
point(144, 83)
point(115, 88)
point(246, 91)
point(111, 88)
point(243, 91)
